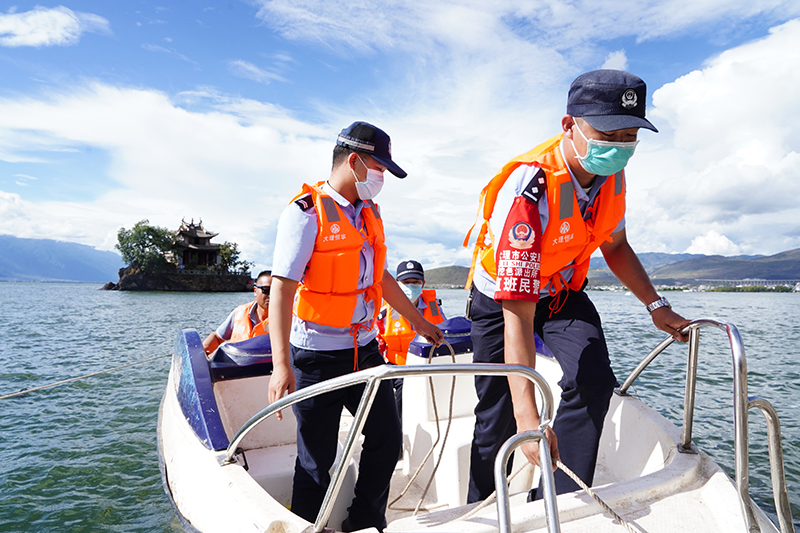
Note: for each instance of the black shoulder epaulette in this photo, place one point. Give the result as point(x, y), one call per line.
point(305, 202)
point(536, 187)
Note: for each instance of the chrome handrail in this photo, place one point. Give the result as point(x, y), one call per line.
point(372, 378)
point(741, 407)
point(777, 472)
point(548, 483)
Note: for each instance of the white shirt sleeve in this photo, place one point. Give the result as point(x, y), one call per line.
point(294, 242)
point(225, 330)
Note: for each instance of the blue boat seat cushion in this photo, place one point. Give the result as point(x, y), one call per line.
point(248, 358)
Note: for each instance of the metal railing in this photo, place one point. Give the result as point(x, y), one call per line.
point(548, 483)
point(741, 405)
point(372, 378)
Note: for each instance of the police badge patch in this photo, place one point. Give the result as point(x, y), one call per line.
point(629, 99)
point(521, 236)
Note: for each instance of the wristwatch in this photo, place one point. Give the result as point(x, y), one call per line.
point(661, 302)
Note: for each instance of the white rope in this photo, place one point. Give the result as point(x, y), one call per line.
point(26, 391)
point(596, 498)
point(489, 499)
point(417, 508)
point(627, 525)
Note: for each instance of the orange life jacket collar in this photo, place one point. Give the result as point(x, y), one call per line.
point(568, 239)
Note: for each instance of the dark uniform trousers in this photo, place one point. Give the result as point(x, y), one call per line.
point(575, 336)
point(318, 428)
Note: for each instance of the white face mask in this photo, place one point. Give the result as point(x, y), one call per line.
point(369, 189)
point(413, 291)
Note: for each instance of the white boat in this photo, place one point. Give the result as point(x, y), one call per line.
point(227, 463)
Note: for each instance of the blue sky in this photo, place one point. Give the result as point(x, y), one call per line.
point(113, 112)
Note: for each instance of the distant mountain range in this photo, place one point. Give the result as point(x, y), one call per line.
point(669, 268)
point(782, 266)
point(452, 277)
point(692, 268)
point(48, 260)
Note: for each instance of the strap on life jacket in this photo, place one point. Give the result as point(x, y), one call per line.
point(354, 332)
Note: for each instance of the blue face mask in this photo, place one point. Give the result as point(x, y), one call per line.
point(412, 291)
point(604, 158)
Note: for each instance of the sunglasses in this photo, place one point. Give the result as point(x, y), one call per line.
point(264, 288)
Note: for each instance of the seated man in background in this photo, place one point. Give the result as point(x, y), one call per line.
point(397, 331)
point(246, 321)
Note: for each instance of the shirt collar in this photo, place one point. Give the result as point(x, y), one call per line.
point(341, 200)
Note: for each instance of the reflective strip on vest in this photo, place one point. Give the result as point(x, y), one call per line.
point(331, 213)
point(565, 205)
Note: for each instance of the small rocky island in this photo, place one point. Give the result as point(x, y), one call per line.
point(183, 260)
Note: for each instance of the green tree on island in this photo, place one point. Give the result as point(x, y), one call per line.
point(230, 258)
point(145, 245)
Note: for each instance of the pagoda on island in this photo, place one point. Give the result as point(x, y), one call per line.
point(193, 247)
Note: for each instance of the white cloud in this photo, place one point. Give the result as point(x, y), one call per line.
point(248, 70)
point(728, 157)
point(58, 26)
point(416, 24)
point(616, 60)
point(169, 51)
point(480, 91)
point(712, 243)
point(236, 166)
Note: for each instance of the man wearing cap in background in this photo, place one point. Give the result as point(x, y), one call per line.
point(541, 218)
point(328, 281)
point(398, 331)
point(246, 321)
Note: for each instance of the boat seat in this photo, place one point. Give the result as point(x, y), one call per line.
point(420, 426)
point(240, 399)
point(248, 358)
point(270, 448)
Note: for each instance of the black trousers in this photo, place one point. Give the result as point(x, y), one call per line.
point(318, 428)
point(575, 336)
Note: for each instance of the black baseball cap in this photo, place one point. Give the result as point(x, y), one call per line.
point(364, 137)
point(410, 270)
point(609, 100)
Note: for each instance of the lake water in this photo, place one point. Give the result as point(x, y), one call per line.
point(81, 457)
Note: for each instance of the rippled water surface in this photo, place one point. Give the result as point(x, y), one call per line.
point(81, 457)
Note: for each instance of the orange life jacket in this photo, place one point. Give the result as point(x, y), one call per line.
point(243, 328)
point(568, 238)
point(399, 332)
point(329, 291)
